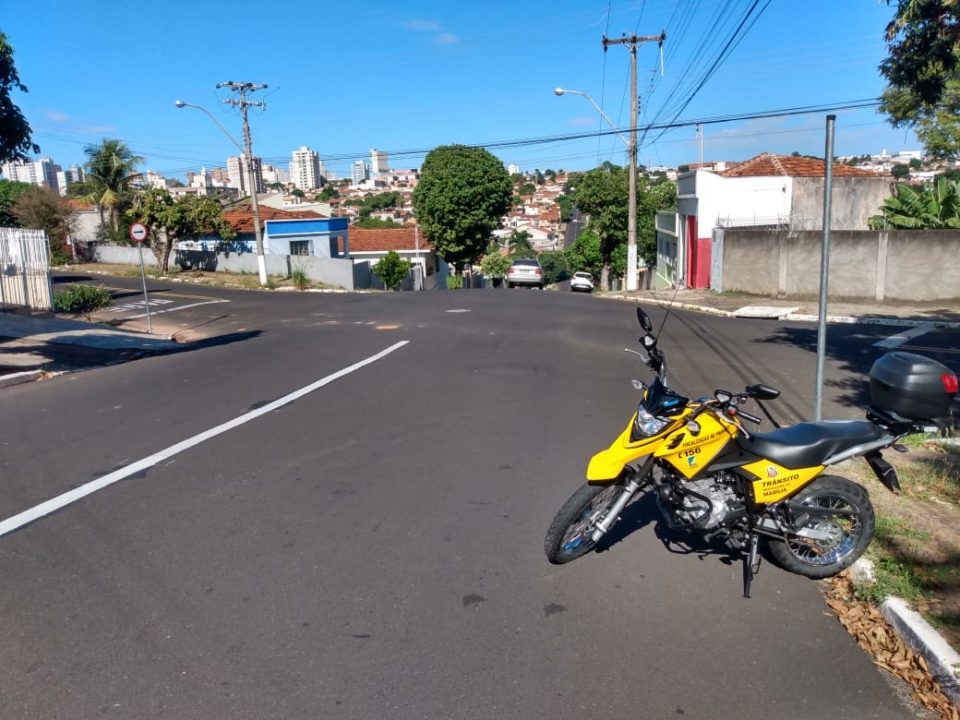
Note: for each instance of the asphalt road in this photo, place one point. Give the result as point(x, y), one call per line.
point(374, 548)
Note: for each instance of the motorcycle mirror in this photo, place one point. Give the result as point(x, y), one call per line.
point(644, 320)
point(723, 396)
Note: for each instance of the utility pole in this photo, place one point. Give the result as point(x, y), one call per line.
point(632, 41)
point(242, 88)
point(699, 146)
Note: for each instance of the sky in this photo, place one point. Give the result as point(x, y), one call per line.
point(406, 77)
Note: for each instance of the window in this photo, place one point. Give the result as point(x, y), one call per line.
point(299, 247)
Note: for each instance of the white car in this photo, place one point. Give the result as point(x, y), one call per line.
point(581, 281)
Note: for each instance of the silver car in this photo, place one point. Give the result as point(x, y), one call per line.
point(525, 271)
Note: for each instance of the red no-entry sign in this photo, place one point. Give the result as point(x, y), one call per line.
point(138, 232)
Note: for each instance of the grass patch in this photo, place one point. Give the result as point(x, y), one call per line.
point(934, 477)
point(888, 529)
point(893, 577)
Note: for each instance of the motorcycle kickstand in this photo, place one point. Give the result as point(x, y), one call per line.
point(751, 562)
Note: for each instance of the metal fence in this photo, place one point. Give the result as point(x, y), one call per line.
point(25, 269)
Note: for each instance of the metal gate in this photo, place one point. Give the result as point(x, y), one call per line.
point(25, 269)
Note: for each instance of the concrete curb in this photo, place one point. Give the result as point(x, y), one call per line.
point(18, 378)
point(796, 317)
point(942, 660)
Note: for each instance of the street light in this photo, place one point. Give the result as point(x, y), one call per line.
point(632, 199)
point(251, 181)
point(562, 91)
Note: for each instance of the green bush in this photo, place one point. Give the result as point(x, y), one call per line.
point(392, 270)
point(454, 282)
point(495, 265)
point(300, 279)
point(82, 299)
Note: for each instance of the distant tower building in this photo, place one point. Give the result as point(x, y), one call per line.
point(359, 172)
point(305, 168)
point(513, 169)
point(237, 170)
point(378, 162)
point(47, 173)
point(66, 178)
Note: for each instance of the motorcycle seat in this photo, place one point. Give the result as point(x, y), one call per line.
point(809, 444)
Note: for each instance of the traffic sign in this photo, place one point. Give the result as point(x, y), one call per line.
point(138, 232)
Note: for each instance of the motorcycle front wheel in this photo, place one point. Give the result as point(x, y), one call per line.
point(849, 522)
point(570, 533)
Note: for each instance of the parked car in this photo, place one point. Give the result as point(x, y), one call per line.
point(525, 271)
point(582, 282)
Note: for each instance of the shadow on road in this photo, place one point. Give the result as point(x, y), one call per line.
point(643, 512)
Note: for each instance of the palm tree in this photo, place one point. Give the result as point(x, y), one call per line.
point(110, 168)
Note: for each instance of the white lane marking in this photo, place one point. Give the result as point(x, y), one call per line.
point(901, 337)
point(181, 307)
point(457, 310)
point(45, 508)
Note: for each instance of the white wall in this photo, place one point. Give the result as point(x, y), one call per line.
point(763, 198)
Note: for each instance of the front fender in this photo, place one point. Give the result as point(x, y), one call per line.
point(606, 465)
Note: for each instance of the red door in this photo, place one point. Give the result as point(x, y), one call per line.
point(698, 256)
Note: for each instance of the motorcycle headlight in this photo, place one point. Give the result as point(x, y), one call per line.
point(647, 424)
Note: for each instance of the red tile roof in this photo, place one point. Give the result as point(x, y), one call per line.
point(770, 165)
point(241, 219)
point(405, 238)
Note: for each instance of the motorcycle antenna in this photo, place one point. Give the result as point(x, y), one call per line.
point(669, 310)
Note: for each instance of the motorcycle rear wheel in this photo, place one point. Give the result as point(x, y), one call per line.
point(569, 535)
point(850, 530)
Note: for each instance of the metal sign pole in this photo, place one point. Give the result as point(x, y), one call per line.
point(138, 233)
point(824, 269)
point(146, 299)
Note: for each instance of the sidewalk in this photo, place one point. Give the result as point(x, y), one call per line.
point(941, 314)
point(31, 346)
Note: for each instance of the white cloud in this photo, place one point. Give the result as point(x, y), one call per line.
point(96, 129)
point(57, 116)
point(446, 39)
point(422, 25)
point(582, 121)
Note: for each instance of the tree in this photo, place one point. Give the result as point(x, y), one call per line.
point(566, 208)
point(495, 266)
point(923, 73)
point(900, 171)
point(15, 133)
point(370, 223)
point(392, 270)
point(10, 191)
point(584, 255)
point(554, 264)
point(462, 194)
point(602, 194)
point(329, 192)
point(527, 189)
point(915, 164)
point(42, 209)
point(297, 192)
point(923, 39)
point(911, 208)
point(110, 169)
point(170, 219)
point(519, 245)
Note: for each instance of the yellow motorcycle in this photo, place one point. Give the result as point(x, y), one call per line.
point(711, 475)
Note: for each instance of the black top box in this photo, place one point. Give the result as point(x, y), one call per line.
point(912, 386)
